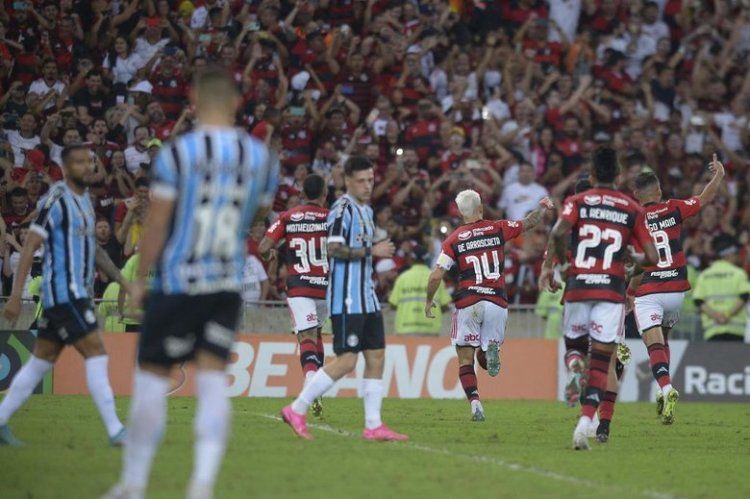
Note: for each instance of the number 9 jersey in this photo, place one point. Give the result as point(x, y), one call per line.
point(604, 223)
point(478, 250)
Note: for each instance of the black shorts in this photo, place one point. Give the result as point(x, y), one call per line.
point(69, 322)
point(357, 332)
point(175, 326)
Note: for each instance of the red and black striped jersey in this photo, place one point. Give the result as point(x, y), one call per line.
point(304, 229)
point(664, 223)
point(478, 251)
point(604, 222)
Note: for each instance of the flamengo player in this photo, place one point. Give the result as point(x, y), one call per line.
point(304, 230)
point(660, 290)
point(600, 223)
point(476, 247)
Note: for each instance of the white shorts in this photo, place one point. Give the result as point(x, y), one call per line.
point(603, 320)
point(479, 325)
point(307, 313)
point(657, 309)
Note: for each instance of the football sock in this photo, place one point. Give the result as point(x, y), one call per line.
point(372, 393)
point(657, 357)
point(321, 350)
point(482, 358)
point(607, 407)
point(148, 416)
point(476, 404)
point(22, 386)
point(212, 422)
point(667, 350)
point(597, 381)
point(468, 382)
point(571, 357)
point(97, 379)
point(308, 356)
point(317, 386)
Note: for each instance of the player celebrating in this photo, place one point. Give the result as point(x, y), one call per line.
point(65, 226)
point(660, 290)
point(355, 311)
point(476, 247)
point(601, 223)
point(207, 187)
point(304, 231)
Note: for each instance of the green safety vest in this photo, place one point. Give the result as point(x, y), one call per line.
point(550, 308)
point(720, 286)
point(408, 298)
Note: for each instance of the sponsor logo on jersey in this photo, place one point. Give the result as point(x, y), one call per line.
point(691, 201)
point(312, 318)
point(656, 317)
point(594, 279)
point(579, 328)
point(592, 199)
point(472, 337)
point(665, 274)
point(297, 217)
point(311, 215)
point(464, 235)
point(596, 327)
point(567, 209)
point(512, 223)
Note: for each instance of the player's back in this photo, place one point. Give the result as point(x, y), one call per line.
point(305, 230)
point(477, 249)
point(219, 177)
point(603, 225)
point(664, 222)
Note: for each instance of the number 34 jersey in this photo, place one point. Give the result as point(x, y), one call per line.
point(664, 222)
point(478, 251)
point(217, 178)
point(604, 223)
point(305, 230)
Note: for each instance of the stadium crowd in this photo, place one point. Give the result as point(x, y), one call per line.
point(506, 97)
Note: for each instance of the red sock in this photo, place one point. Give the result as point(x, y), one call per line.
point(607, 407)
point(659, 360)
point(469, 382)
point(666, 349)
point(597, 381)
point(308, 356)
point(572, 356)
point(321, 349)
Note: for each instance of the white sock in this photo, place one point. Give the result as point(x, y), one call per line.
point(21, 387)
point(97, 379)
point(476, 404)
point(665, 389)
point(148, 417)
point(584, 422)
point(308, 376)
point(372, 393)
point(212, 421)
point(314, 388)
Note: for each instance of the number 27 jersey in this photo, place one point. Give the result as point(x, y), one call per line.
point(604, 222)
point(305, 230)
point(478, 251)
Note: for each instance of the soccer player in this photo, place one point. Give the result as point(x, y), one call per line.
point(207, 187)
point(353, 305)
point(304, 231)
point(476, 248)
point(600, 223)
point(65, 226)
point(660, 290)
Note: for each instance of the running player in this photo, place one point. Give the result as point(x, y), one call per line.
point(355, 311)
point(65, 226)
point(660, 290)
point(603, 222)
point(303, 229)
point(476, 247)
point(207, 187)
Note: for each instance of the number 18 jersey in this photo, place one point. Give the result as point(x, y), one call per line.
point(604, 222)
point(305, 230)
point(478, 251)
point(664, 223)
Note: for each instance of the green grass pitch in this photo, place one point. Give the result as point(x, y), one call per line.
point(522, 450)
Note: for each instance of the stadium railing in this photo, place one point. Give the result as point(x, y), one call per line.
point(272, 317)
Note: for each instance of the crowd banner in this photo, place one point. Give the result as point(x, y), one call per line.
point(268, 366)
point(707, 372)
point(15, 349)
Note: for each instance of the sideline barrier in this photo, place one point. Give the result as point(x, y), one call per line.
point(706, 372)
point(268, 366)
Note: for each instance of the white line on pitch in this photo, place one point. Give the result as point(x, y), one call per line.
point(485, 459)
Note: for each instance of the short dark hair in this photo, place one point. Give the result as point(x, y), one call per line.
point(605, 165)
point(70, 149)
point(582, 185)
point(19, 192)
point(142, 182)
point(313, 186)
point(93, 72)
point(646, 180)
point(356, 164)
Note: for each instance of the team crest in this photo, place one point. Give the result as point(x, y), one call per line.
point(352, 340)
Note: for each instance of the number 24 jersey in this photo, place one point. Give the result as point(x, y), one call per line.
point(604, 222)
point(478, 251)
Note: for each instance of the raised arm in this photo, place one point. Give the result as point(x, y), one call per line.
point(709, 192)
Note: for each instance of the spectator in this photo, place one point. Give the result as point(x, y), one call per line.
point(408, 297)
point(109, 243)
point(129, 216)
point(49, 82)
point(24, 139)
point(122, 64)
point(722, 292)
point(255, 285)
point(20, 207)
point(519, 198)
point(136, 155)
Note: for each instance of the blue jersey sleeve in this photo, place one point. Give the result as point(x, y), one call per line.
point(50, 214)
point(339, 223)
point(164, 173)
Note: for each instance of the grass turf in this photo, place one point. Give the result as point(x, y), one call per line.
point(522, 450)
